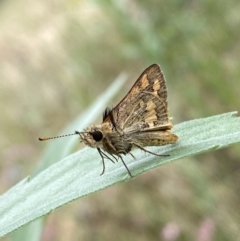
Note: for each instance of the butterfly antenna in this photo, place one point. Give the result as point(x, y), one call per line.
point(54, 137)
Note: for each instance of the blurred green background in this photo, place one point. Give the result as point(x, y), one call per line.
point(57, 56)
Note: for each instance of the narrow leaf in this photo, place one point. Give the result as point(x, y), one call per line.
point(78, 174)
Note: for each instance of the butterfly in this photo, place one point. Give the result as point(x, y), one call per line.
point(140, 119)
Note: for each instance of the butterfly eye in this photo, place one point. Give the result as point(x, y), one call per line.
point(97, 135)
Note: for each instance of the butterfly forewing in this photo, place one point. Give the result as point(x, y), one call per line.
point(145, 106)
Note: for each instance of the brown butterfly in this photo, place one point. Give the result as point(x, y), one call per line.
point(140, 119)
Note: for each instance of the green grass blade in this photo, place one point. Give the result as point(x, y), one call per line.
point(78, 174)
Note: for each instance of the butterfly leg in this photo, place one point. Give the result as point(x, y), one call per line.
point(132, 155)
point(100, 153)
point(155, 154)
point(130, 174)
point(104, 155)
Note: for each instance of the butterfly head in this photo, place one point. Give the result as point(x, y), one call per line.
point(92, 137)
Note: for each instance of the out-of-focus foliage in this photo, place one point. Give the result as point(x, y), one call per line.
point(57, 56)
